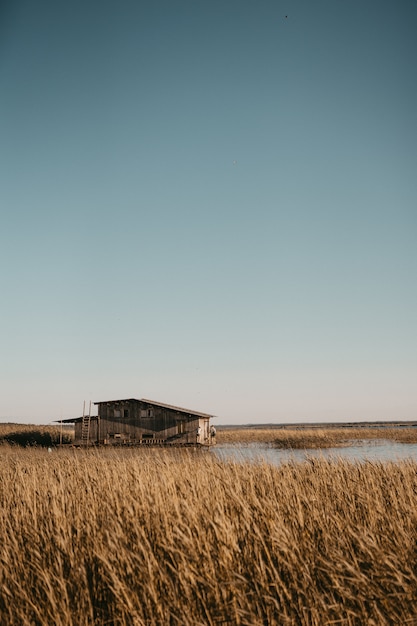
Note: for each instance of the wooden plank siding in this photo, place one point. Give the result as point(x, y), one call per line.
point(145, 422)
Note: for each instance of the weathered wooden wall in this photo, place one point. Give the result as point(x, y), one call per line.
point(135, 421)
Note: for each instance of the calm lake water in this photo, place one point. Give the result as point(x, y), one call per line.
point(367, 450)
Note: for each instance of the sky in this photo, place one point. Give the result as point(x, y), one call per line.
point(209, 203)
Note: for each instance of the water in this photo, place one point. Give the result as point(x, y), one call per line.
point(366, 450)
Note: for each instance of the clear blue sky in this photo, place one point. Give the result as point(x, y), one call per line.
point(209, 204)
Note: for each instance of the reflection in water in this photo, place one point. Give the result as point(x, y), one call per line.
point(369, 450)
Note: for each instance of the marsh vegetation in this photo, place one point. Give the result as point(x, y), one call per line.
point(31, 435)
point(303, 438)
point(140, 537)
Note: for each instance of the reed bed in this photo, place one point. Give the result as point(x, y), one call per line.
point(293, 438)
point(153, 537)
point(31, 434)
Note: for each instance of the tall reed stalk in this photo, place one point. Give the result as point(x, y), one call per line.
point(137, 537)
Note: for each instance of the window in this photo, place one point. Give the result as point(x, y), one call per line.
point(117, 413)
point(126, 413)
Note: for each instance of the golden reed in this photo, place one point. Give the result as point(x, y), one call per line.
point(154, 537)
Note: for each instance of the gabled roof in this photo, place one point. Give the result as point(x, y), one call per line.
point(161, 404)
point(176, 408)
point(117, 401)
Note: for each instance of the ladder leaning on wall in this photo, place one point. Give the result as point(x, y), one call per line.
point(85, 427)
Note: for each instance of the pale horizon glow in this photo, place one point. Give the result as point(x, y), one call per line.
point(211, 205)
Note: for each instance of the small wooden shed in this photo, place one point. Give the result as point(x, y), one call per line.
point(143, 422)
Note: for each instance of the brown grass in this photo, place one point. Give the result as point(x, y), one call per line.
point(313, 437)
point(32, 434)
point(137, 537)
point(7, 428)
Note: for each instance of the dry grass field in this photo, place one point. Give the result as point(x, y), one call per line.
point(313, 437)
point(30, 434)
point(154, 537)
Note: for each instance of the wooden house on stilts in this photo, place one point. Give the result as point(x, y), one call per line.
point(142, 422)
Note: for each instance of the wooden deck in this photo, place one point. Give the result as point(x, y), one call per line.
point(146, 443)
